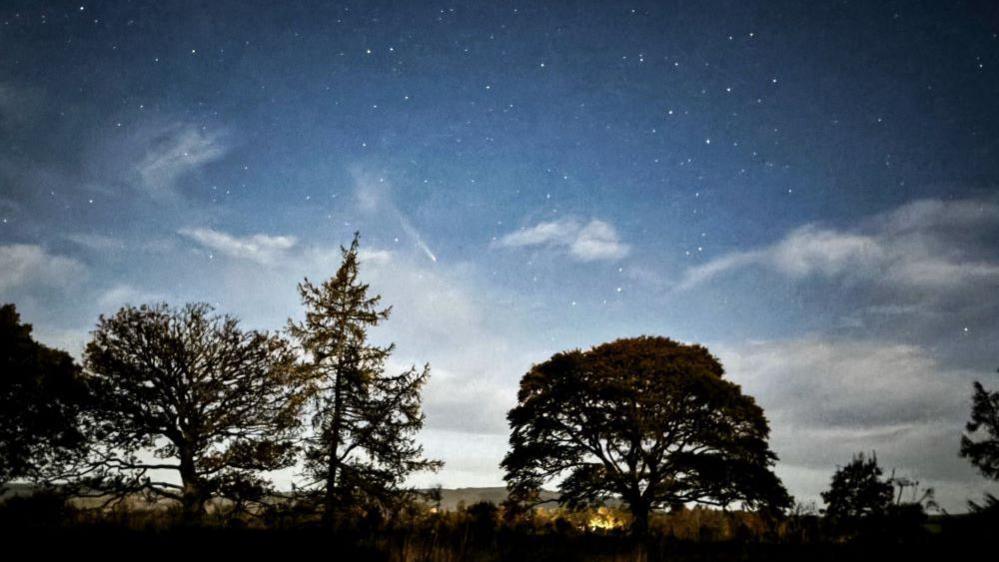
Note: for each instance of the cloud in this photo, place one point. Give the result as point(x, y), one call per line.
point(830, 398)
point(31, 265)
point(260, 248)
point(122, 294)
point(173, 152)
point(927, 244)
point(374, 195)
point(593, 241)
point(96, 242)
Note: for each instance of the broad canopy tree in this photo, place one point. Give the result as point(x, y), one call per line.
point(364, 420)
point(649, 420)
point(42, 396)
point(188, 393)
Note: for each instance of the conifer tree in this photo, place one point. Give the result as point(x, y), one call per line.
point(364, 421)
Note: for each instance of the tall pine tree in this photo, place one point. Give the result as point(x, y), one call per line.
point(364, 421)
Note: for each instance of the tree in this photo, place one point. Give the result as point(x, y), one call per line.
point(983, 452)
point(186, 392)
point(858, 491)
point(364, 421)
point(42, 394)
point(647, 419)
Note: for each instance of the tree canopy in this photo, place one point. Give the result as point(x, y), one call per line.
point(188, 392)
point(647, 419)
point(858, 491)
point(980, 443)
point(42, 395)
point(364, 420)
point(983, 450)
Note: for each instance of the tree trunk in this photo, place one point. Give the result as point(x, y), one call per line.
point(640, 519)
point(192, 496)
point(330, 500)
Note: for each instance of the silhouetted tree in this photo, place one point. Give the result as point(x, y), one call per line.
point(41, 397)
point(858, 492)
point(983, 452)
point(188, 392)
point(364, 421)
point(647, 419)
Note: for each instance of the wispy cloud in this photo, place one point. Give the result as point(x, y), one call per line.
point(28, 265)
point(374, 194)
point(96, 242)
point(122, 294)
point(173, 152)
point(260, 248)
point(591, 241)
point(919, 245)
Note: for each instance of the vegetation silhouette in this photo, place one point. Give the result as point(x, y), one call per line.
point(183, 405)
point(42, 397)
point(858, 491)
point(983, 451)
point(647, 419)
point(362, 446)
point(187, 392)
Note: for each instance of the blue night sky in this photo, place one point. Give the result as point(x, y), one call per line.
point(807, 188)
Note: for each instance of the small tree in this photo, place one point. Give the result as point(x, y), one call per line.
point(42, 394)
point(647, 419)
point(186, 392)
point(364, 421)
point(858, 492)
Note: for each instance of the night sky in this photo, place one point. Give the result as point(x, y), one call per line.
point(807, 188)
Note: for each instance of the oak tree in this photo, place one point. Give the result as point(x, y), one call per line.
point(649, 420)
point(42, 395)
point(188, 406)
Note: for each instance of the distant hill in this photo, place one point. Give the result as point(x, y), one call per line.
point(451, 498)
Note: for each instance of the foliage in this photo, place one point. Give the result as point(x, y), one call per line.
point(187, 392)
point(984, 452)
point(42, 394)
point(363, 420)
point(649, 420)
point(858, 490)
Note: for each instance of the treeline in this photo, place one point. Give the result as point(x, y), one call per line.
point(178, 415)
point(182, 404)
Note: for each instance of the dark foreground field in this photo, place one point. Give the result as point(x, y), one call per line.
point(227, 544)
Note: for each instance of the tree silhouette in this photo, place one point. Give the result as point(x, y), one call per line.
point(187, 392)
point(858, 492)
point(42, 394)
point(983, 452)
point(647, 419)
point(362, 445)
